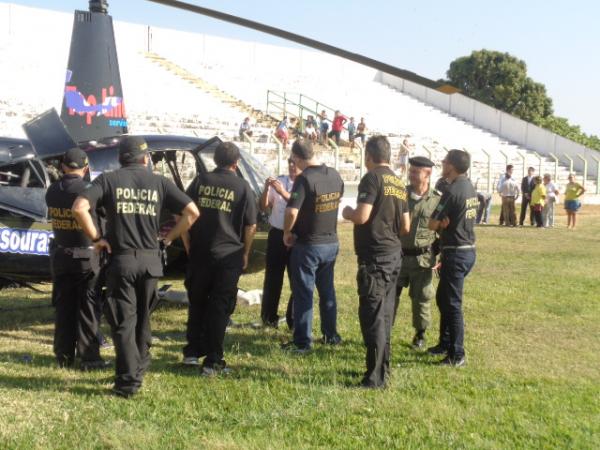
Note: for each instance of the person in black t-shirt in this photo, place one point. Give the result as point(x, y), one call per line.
point(310, 229)
point(75, 270)
point(133, 198)
point(380, 217)
point(454, 218)
point(218, 246)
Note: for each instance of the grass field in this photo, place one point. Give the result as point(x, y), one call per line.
point(532, 312)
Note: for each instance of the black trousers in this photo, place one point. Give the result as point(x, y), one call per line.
point(74, 297)
point(212, 292)
point(276, 262)
point(131, 281)
point(456, 265)
point(376, 279)
point(524, 207)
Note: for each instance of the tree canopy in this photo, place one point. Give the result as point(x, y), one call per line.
point(500, 80)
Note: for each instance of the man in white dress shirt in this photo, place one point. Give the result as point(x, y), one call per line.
point(275, 197)
point(551, 198)
point(509, 192)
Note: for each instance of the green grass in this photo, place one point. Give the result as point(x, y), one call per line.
point(532, 312)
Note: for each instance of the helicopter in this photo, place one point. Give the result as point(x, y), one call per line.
point(93, 117)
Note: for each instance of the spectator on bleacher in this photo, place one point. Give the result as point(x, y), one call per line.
point(361, 131)
point(310, 129)
point(245, 127)
point(551, 198)
point(275, 196)
point(538, 200)
point(509, 191)
point(527, 185)
point(509, 171)
point(323, 128)
point(337, 126)
point(351, 132)
point(282, 132)
point(405, 149)
point(573, 191)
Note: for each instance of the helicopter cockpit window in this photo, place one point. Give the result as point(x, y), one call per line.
point(27, 173)
point(180, 166)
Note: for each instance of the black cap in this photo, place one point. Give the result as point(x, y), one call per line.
point(420, 161)
point(75, 158)
point(131, 147)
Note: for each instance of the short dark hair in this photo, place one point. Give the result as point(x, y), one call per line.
point(226, 154)
point(127, 160)
point(530, 168)
point(379, 149)
point(303, 149)
point(509, 167)
point(459, 159)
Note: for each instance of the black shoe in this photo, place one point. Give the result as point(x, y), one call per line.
point(438, 350)
point(119, 392)
point(453, 361)
point(64, 362)
point(365, 384)
point(271, 324)
point(293, 348)
point(214, 369)
point(87, 366)
point(333, 340)
point(418, 342)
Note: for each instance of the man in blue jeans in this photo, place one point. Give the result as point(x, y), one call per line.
point(310, 229)
point(454, 219)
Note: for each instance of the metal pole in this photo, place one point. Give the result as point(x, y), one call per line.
point(597, 175)
point(585, 169)
point(362, 159)
point(537, 155)
point(570, 163)
point(555, 158)
point(523, 157)
point(268, 92)
point(429, 151)
point(489, 171)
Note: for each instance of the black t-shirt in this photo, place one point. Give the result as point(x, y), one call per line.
point(459, 203)
point(133, 198)
point(316, 194)
point(59, 198)
point(227, 204)
point(380, 234)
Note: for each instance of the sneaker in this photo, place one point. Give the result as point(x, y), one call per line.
point(293, 348)
point(418, 342)
point(437, 350)
point(190, 361)
point(453, 361)
point(88, 366)
point(334, 340)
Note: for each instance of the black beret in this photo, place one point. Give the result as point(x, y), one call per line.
point(420, 161)
point(75, 158)
point(131, 147)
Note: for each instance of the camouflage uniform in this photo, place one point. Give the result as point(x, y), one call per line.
point(419, 259)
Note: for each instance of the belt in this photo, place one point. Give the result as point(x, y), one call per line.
point(136, 251)
point(417, 251)
point(458, 247)
point(69, 250)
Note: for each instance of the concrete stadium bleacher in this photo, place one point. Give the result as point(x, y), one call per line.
point(160, 98)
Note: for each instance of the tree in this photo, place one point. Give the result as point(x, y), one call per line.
point(500, 80)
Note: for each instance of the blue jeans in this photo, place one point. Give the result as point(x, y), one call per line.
point(456, 265)
point(312, 265)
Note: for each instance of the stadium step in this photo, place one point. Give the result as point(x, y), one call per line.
point(259, 117)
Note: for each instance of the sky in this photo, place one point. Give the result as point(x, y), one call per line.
point(559, 40)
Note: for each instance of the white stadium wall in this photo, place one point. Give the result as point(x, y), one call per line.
point(508, 127)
